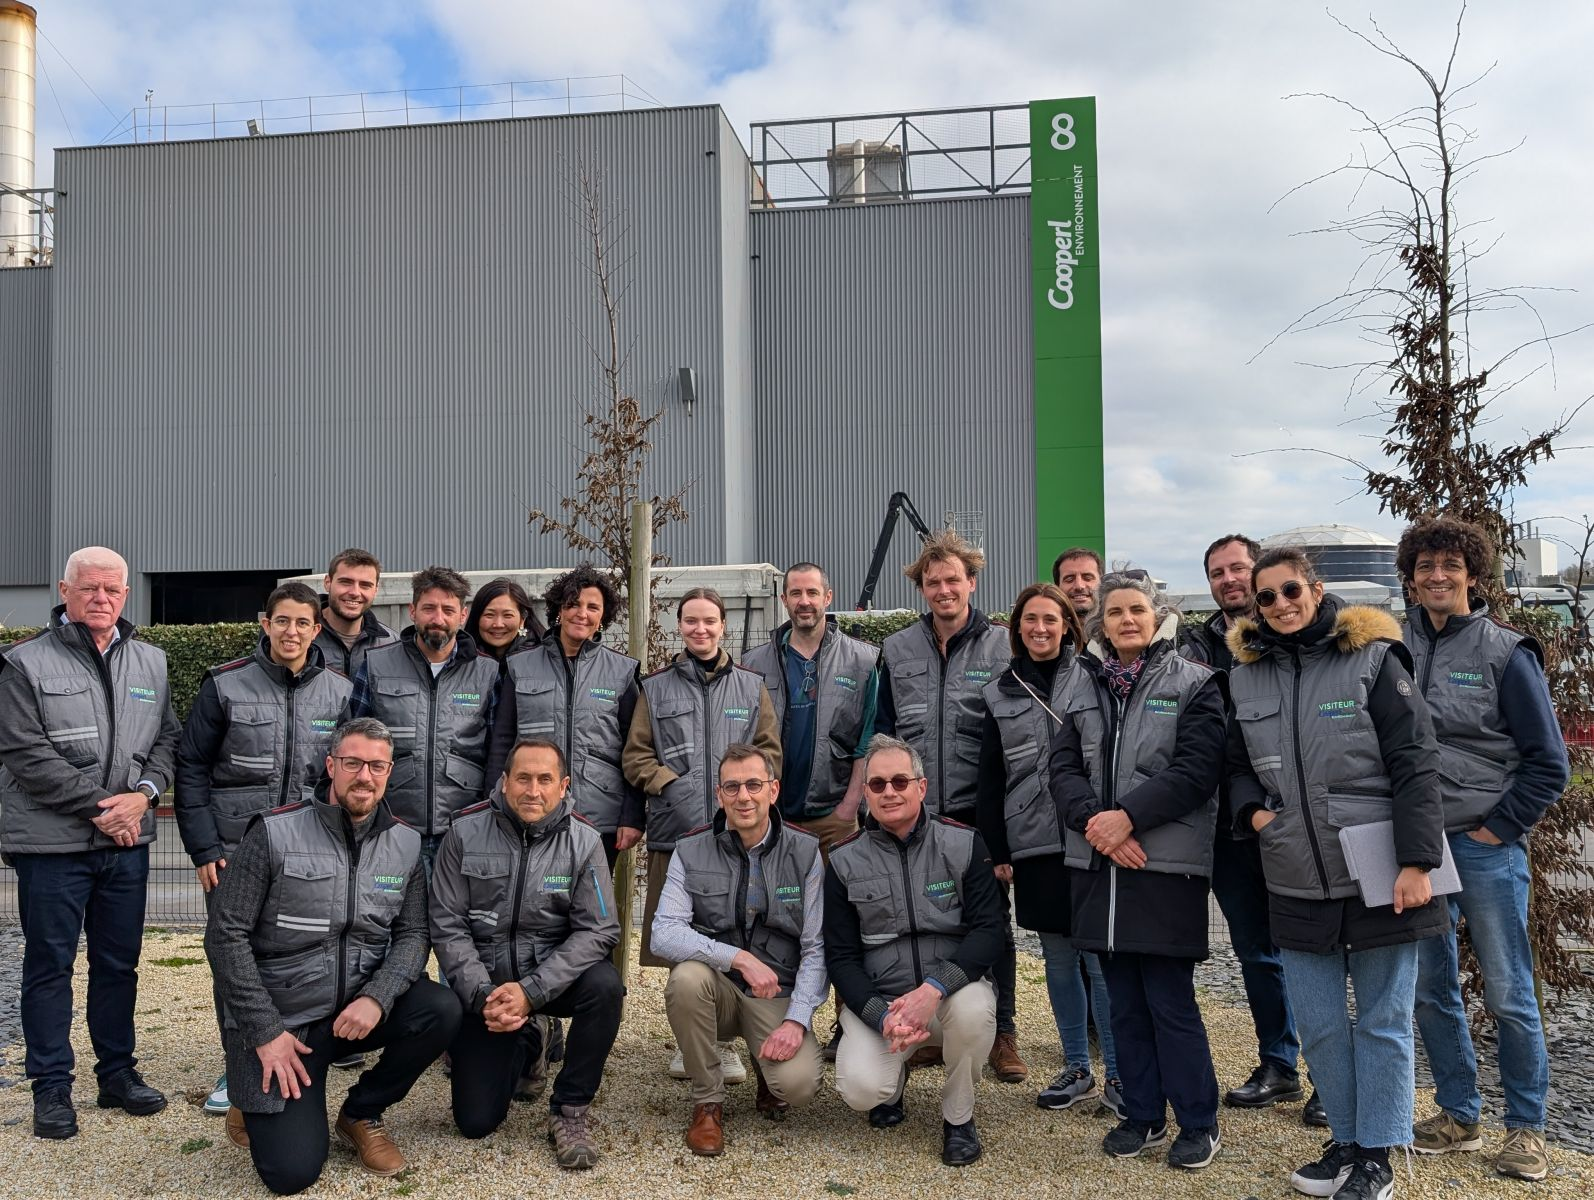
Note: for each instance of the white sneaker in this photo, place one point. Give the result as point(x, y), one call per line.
point(217, 1103)
point(678, 1067)
point(731, 1063)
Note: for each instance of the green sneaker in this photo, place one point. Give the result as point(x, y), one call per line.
point(1523, 1155)
point(1443, 1134)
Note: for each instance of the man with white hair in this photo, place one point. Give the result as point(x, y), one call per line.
point(87, 743)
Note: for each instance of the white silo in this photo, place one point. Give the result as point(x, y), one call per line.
point(18, 58)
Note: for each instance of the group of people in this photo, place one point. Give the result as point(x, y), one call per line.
point(354, 800)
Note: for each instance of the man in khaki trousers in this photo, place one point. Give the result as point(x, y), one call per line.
point(740, 916)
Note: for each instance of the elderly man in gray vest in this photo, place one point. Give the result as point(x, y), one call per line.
point(914, 923)
point(740, 915)
point(1503, 763)
point(87, 738)
point(523, 921)
point(316, 939)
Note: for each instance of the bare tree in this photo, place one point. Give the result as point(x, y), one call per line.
point(595, 519)
point(1413, 294)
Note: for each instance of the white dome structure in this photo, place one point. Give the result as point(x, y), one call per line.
point(1343, 553)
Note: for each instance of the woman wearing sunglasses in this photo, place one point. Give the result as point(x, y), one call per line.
point(1135, 766)
point(1024, 831)
point(1330, 732)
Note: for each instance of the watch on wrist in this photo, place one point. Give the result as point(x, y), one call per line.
point(149, 791)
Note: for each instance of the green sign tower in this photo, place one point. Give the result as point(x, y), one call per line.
point(1070, 505)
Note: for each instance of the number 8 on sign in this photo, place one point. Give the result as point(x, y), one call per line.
point(1063, 131)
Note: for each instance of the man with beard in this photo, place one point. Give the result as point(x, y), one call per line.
point(434, 690)
point(1078, 572)
point(316, 939)
point(349, 629)
point(1237, 879)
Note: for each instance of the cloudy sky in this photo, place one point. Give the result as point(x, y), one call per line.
point(1198, 143)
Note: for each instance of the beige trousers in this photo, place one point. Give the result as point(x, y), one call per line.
point(964, 1026)
point(705, 1008)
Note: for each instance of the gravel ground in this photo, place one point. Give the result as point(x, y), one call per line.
point(821, 1151)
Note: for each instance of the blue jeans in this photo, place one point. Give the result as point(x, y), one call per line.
point(1241, 891)
point(1494, 900)
point(1066, 991)
point(100, 894)
point(1364, 1069)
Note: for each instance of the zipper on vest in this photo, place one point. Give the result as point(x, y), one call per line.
point(103, 670)
point(570, 708)
point(1427, 663)
point(520, 892)
point(1300, 776)
point(913, 926)
point(940, 743)
point(287, 749)
point(431, 750)
point(1119, 705)
point(708, 758)
point(353, 844)
point(742, 873)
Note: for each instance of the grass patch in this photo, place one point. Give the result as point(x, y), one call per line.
point(195, 1145)
point(175, 961)
point(839, 1189)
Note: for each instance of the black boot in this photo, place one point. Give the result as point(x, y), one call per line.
point(1314, 1114)
point(1268, 1084)
point(960, 1144)
point(53, 1114)
point(127, 1091)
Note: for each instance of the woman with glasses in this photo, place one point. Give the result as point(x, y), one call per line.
point(1329, 733)
point(502, 621)
point(687, 714)
point(1135, 765)
point(1023, 830)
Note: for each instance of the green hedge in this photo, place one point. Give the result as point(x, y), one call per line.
point(876, 627)
point(191, 650)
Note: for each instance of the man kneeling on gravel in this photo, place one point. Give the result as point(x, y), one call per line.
point(316, 939)
point(914, 923)
point(523, 921)
point(740, 916)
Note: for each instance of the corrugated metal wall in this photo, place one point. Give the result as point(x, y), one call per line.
point(892, 352)
point(25, 418)
point(375, 337)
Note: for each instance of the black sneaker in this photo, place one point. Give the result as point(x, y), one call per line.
point(350, 1062)
point(829, 1051)
point(1323, 1177)
point(1314, 1114)
point(1067, 1089)
point(53, 1114)
point(127, 1091)
point(1128, 1138)
point(1369, 1179)
point(1194, 1148)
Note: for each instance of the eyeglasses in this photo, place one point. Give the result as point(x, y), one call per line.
point(283, 624)
point(897, 783)
point(352, 766)
point(1291, 590)
point(754, 787)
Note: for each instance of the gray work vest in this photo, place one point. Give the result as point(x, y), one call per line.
point(101, 714)
point(279, 729)
point(692, 724)
point(1459, 673)
point(1315, 751)
point(581, 715)
point(909, 898)
point(1138, 738)
point(716, 865)
point(843, 668)
point(349, 659)
point(439, 727)
point(328, 915)
point(1026, 728)
point(518, 881)
point(940, 708)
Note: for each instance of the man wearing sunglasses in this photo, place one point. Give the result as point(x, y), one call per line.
point(739, 916)
point(914, 923)
point(1237, 879)
point(316, 939)
point(256, 738)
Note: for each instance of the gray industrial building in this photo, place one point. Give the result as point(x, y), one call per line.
point(251, 351)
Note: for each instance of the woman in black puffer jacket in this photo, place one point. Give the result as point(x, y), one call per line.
point(1330, 732)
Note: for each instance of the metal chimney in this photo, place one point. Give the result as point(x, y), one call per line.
point(18, 61)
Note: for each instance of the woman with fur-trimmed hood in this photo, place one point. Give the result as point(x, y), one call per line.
point(1135, 765)
point(1330, 732)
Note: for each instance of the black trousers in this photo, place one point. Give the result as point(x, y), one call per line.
point(290, 1148)
point(1005, 973)
point(487, 1065)
point(1163, 1056)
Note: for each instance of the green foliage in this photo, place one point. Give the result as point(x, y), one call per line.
point(195, 1145)
point(191, 650)
point(176, 961)
point(876, 627)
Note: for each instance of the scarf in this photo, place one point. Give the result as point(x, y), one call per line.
point(1121, 677)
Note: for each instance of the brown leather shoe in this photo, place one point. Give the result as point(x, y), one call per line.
point(237, 1132)
point(378, 1154)
point(1004, 1059)
point(770, 1107)
point(926, 1056)
point(706, 1134)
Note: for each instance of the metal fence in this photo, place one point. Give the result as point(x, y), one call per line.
point(364, 110)
point(891, 156)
